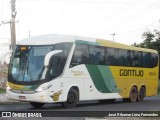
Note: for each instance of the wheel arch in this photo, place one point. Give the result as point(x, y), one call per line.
point(132, 85)
point(75, 87)
point(143, 86)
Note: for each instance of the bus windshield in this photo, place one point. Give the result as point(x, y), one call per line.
point(27, 63)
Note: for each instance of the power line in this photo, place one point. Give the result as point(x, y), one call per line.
point(113, 14)
point(136, 15)
point(118, 12)
point(110, 16)
point(134, 31)
point(140, 13)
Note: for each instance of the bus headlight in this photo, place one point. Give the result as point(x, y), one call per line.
point(40, 89)
point(7, 86)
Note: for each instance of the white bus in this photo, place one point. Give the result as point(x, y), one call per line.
point(44, 69)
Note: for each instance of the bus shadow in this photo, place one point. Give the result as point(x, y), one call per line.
point(80, 105)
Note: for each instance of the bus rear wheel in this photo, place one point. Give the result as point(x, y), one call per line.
point(72, 99)
point(133, 96)
point(36, 104)
point(141, 94)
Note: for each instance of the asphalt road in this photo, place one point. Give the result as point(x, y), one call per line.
point(149, 104)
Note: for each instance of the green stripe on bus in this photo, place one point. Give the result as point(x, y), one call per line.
point(107, 77)
point(33, 87)
point(87, 42)
point(97, 78)
point(102, 78)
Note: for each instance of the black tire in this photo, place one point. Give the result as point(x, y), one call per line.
point(141, 94)
point(106, 101)
point(36, 104)
point(72, 99)
point(133, 96)
point(126, 99)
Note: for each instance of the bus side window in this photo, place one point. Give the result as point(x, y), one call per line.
point(96, 55)
point(154, 60)
point(125, 58)
point(128, 58)
point(80, 55)
point(146, 60)
point(122, 57)
point(111, 56)
point(55, 68)
point(140, 58)
point(136, 59)
point(102, 56)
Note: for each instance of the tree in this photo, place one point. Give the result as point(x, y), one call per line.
point(151, 40)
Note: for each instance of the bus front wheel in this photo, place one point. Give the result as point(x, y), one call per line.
point(72, 99)
point(36, 104)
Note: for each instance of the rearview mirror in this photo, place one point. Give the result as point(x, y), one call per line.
point(49, 55)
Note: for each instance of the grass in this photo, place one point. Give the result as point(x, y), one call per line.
point(2, 90)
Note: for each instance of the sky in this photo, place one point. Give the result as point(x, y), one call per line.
point(128, 19)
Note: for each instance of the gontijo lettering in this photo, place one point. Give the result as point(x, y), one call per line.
point(137, 73)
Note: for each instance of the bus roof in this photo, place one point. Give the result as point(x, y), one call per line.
point(123, 46)
point(107, 43)
point(51, 39)
point(54, 38)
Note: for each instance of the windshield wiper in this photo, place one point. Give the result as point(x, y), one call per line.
point(29, 72)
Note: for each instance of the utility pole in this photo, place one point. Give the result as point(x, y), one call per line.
point(113, 35)
point(12, 25)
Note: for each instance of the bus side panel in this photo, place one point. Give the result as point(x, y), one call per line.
point(109, 82)
point(79, 76)
point(104, 82)
point(95, 85)
point(126, 77)
point(56, 91)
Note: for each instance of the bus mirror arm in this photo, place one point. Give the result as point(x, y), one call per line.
point(49, 55)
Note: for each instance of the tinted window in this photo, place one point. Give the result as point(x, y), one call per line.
point(137, 59)
point(81, 55)
point(27, 63)
point(56, 66)
point(154, 60)
point(128, 61)
point(146, 60)
point(123, 57)
point(65, 47)
point(96, 55)
point(111, 56)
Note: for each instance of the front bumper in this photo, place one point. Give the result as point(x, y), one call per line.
point(34, 97)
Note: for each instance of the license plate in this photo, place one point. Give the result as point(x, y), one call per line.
point(22, 97)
